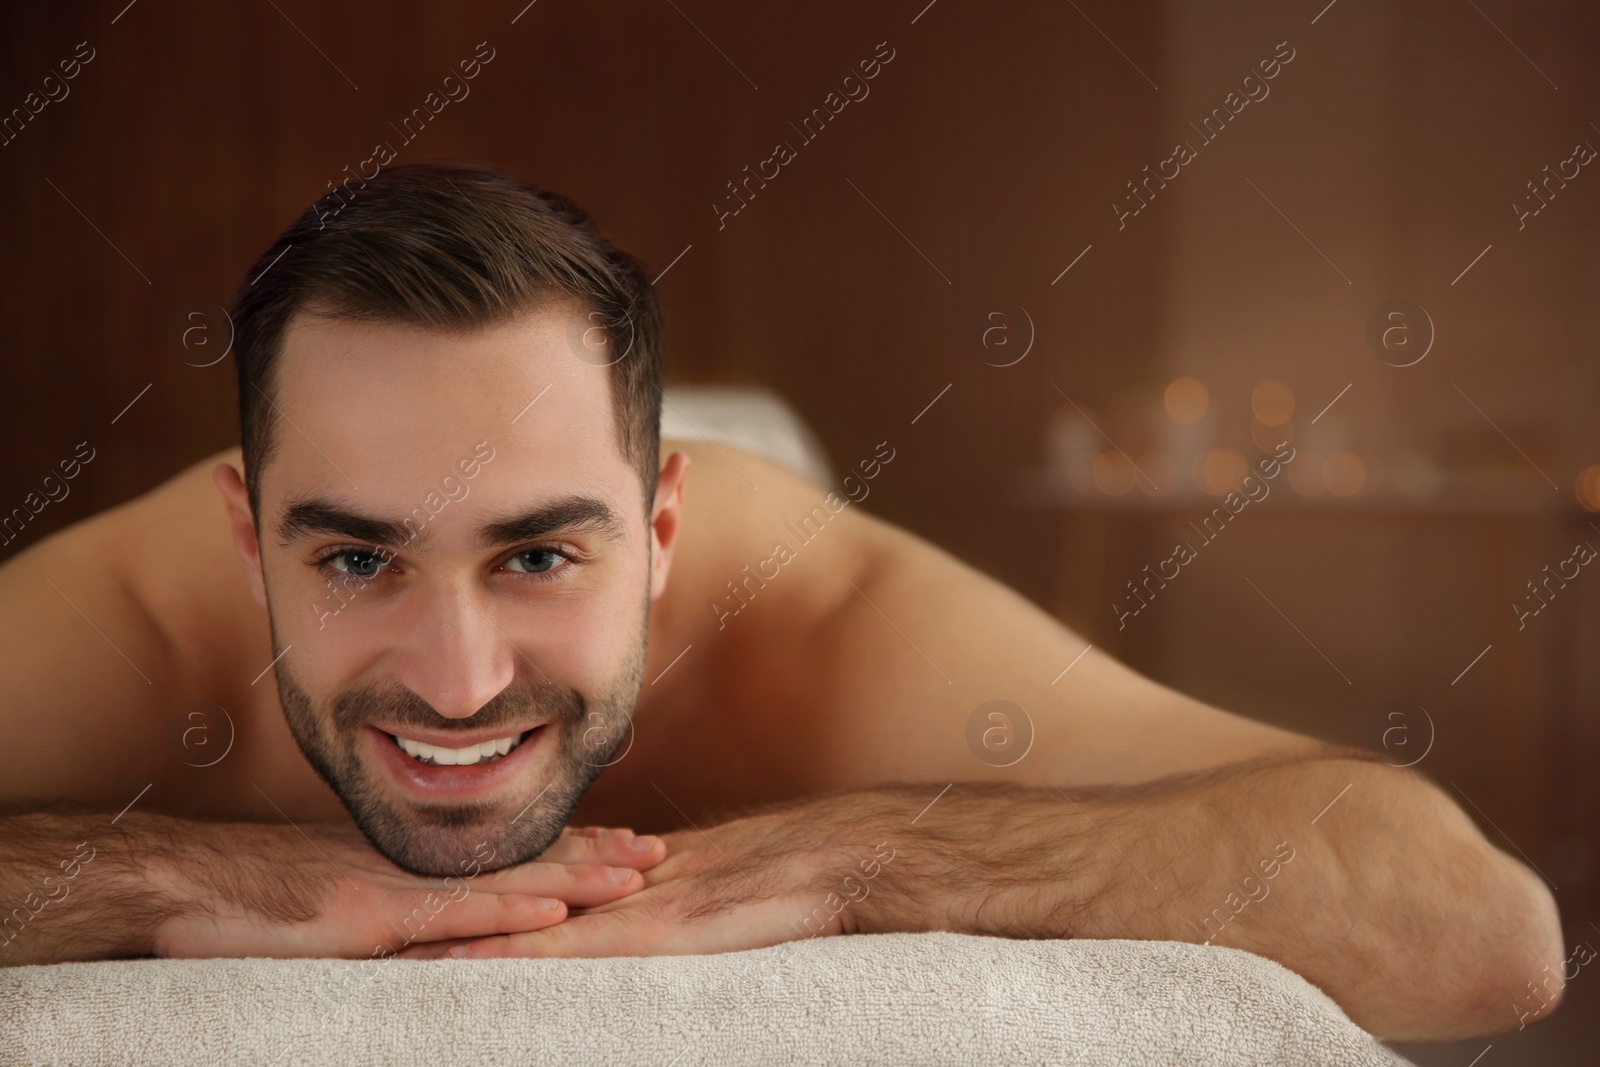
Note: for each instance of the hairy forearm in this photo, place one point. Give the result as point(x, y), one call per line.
point(81, 884)
point(73, 885)
point(1361, 877)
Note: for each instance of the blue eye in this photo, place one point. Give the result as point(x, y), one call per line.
point(535, 561)
point(358, 564)
point(354, 566)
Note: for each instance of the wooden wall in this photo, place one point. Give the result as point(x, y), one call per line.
point(973, 172)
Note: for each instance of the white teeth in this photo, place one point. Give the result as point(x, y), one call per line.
point(487, 751)
point(412, 748)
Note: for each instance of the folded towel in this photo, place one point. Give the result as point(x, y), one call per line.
point(748, 417)
point(925, 999)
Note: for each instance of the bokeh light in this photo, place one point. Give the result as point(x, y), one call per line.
point(1272, 403)
point(1268, 438)
point(1588, 487)
point(1220, 471)
point(1113, 473)
point(1345, 473)
point(1186, 401)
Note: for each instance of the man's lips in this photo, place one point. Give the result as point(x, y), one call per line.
point(462, 781)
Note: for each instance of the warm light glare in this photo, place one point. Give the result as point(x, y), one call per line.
point(1221, 471)
point(1113, 473)
point(1268, 438)
point(1345, 473)
point(1187, 401)
point(1273, 403)
point(1588, 487)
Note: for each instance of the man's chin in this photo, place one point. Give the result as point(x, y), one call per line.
point(446, 849)
point(459, 839)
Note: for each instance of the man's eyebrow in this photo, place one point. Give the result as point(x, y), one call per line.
point(572, 514)
point(309, 517)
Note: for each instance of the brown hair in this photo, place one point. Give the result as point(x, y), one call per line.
point(450, 246)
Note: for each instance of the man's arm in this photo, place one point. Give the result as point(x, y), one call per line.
point(85, 885)
point(1363, 878)
point(918, 643)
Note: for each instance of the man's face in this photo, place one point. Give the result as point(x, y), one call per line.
point(456, 556)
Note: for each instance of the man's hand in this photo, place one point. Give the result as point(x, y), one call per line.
point(777, 876)
point(278, 891)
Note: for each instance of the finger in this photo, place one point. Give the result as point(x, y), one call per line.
point(431, 950)
point(595, 831)
point(439, 917)
point(578, 884)
point(619, 933)
point(616, 848)
point(565, 848)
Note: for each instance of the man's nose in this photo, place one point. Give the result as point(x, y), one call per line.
point(455, 656)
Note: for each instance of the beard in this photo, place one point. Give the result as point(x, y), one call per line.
point(448, 839)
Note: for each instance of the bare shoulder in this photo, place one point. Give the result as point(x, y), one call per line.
point(745, 516)
point(177, 553)
point(870, 652)
point(106, 627)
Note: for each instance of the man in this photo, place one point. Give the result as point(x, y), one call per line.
point(490, 609)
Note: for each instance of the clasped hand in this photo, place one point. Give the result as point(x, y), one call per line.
point(801, 872)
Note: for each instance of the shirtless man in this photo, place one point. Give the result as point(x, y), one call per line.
point(491, 608)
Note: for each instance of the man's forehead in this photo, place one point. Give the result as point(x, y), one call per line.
point(381, 411)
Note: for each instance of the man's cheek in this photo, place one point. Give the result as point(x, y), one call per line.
point(591, 635)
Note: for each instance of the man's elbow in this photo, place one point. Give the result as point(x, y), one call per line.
point(1525, 966)
point(1471, 944)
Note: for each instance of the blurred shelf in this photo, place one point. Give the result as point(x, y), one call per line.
point(1049, 490)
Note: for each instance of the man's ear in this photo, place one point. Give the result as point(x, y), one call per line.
point(237, 500)
point(666, 520)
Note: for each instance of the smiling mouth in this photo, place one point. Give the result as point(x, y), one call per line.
point(483, 753)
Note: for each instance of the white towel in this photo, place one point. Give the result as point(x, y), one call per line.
point(924, 999)
point(748, 417)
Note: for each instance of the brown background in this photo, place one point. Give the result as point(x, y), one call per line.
point(994, 143)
